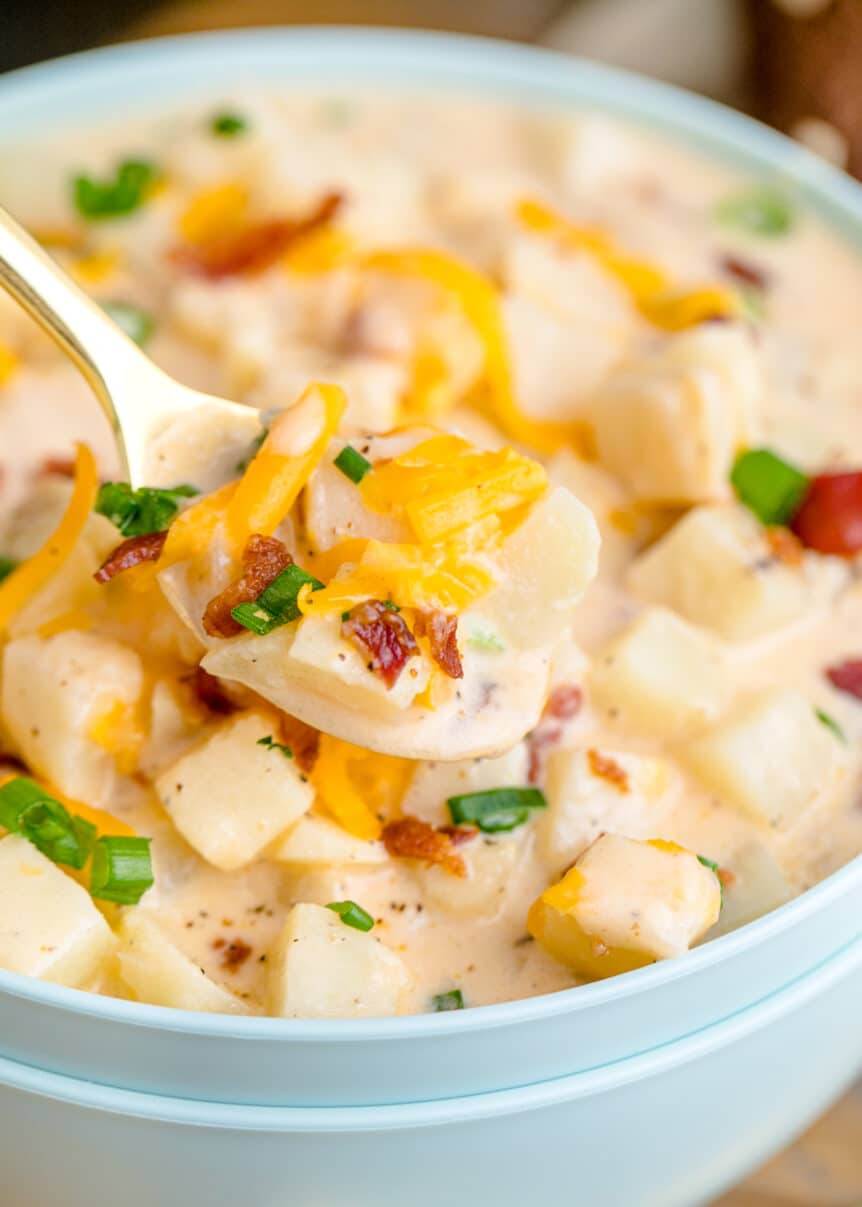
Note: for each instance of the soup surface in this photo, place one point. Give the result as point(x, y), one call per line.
point(386, 667)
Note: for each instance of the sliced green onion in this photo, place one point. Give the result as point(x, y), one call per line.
point(485, 641)
point(122, 869)
point(271, 744)
point(389, 605)
point(759, 211)
point(138, 512)
point(138, 324)
point(30, 811)
point(352, 464)
point(7, 565)
point(281, 594)
point(713, 867)
point(254, 618)
point(453, 1000)
point(228, 125)
point(496, 809)
point(96, 199)
point(825, 719)
point(352, 914)
point(771, 488)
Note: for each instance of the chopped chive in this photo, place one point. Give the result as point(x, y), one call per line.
point(30, 811)
point(352, 464)
point(276, 605)
point(122, 869)
point(453, 1000)
point(763, 211)
point(124, 193)
point(138, 512)
point(713, 867)
point(271, 744)
point(255, 618)
point(485, 641)
point(345, 616)
point(7, 565)
point(825, 719)
point(228, 125)
point(496, 809)
point(770, 487)
point(352, 914)
point(138, 324)
point(389, 605)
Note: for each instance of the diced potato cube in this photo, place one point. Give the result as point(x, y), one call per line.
point(671, 425)
point(434, 782)
point(758, 886)
point(490, 863)
point(230, 797)
point(607, 500)
point(716, 569)
point(771, 758)
point(171, 730)
point(49, 926)
point(156, 971)
point(321, 968)
point(661, 675)
point(69, 702)
point(591, 791)
point(334, 507)
point(625, 904)
point(547, 564)
point(316, 840)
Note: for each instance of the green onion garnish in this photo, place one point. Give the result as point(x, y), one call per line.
point(352, 914)
point(30, 811)
point(825, 719)
point(485, 641)
point(758, 211)
point(122, 870)
point(713, 867)
point(390, 605)
point(271, 744)
point(352, 464)
point(277, 604)
point(453, 1000)
point(138, 324)
point(7, 565)
point(138, 512)
point(109, 198)
point(497, 809)
point(227, 125)
point(771, 488)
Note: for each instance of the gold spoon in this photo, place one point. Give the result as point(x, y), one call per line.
point(167, 434)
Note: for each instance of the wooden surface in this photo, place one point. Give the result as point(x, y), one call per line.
point(824, 1167)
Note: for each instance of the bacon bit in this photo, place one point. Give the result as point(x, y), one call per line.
point(218, 944)
point(564, 702)
point(784, 545)
point(830, 517)
point(726, 876)
point(209, 691)
point(303, 740)
point(60, 467)
point(410, 838)
point(256, 248)
point(847, 677)
point(744, 271)
point(539, 744)
point(383, 634)
point(441, 629)
point(131, 553)
point(608, 769)
point(235, 955)
point(263, 559)
point(459, 834)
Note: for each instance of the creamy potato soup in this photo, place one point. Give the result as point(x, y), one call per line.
point(524, 648)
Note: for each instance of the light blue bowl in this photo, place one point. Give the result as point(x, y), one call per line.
point(655, 1088)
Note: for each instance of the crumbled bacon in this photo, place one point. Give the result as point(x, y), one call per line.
point(459, 834)
point(235, 954)
point(441, 629)
point(564, 702)
point(539, 744)
point(131, 553)
point(847, 677)
point(383, 634)
point(830, 516)
point(303, 740)
point(784, 545)
point(255, 248)
point(744, 271)
point(410, 838)
point(210, 692)
point(726, 876)
point(263, 559)
point(608, 769)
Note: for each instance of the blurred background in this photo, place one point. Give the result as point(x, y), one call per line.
point(795, 63)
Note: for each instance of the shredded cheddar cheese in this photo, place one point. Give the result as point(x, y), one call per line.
point(117, 730)
point(213, 213)
point(8, 364)
point(98, 267)
point(338, 792)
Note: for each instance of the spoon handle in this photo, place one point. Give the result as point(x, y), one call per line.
point(102, 352)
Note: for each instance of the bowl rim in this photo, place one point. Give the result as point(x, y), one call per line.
point(523, 76)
